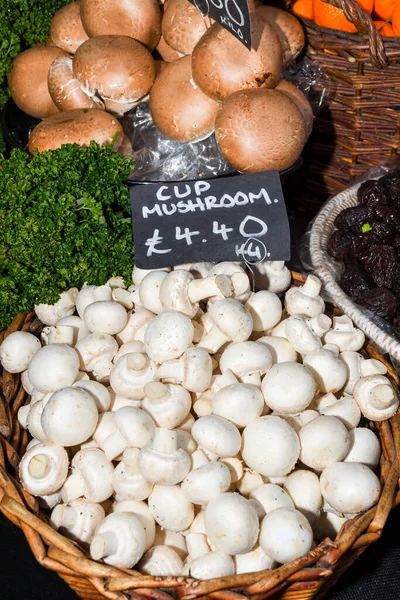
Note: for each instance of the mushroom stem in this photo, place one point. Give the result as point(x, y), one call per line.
point(137, 361)
point(198, 332)
point(104, 544)
point(130, 459)
point(63, 516)
point(312, 286)
point(343, 323)
point(39, 466)
point(199, 289)
point(320, 324)
point(197, 545)
point(114, 445)
point(165, 440)
point(170, 370)
point(155, 391)
point(213, 340)
point(382, 396)
point(73, 488)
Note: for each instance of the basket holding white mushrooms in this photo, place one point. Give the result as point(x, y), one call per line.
point(189, 426)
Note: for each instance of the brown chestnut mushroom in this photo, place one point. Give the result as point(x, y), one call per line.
point(28, 81)
point(300, 100)
point(260, 130)
point(139, 19)
point(288, 28)
point(117, 68)
point(79, 126)
point(166, 52)
point(66, 91)
point(183, 25)
point(222, 65)
point(178, 107)
point(66, 30)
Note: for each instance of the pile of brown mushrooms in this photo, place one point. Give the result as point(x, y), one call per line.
point(104, 57)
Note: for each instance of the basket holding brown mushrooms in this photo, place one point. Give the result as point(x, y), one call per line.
point(104, 58)
point(188, 425)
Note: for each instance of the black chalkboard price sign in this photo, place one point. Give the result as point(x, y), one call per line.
point(236, 218)
point(231, 14)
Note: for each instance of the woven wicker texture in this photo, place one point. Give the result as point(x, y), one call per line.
point(361, 124)
point(308, 577)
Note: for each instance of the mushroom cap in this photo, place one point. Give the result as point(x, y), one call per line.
point(161, 561)
point(285, 535)
point(167, 53)
point(222, 65)
point(94, 347)
point(100, 394)
point(28, 81)
point(346, 409)
point(288, 28)
point(53, 367)
point(240, 403)
point(232, 318)
point(367, 392)
point(174, 291)
point(88, 516)
point(116, 67)
point(324, 440)
point(210, 566)
point(131, 539)
point(304, 489)
point(70, 417)
point(280, 349)
point(179, 108)
point(150, 291)
point(231, 524)
point(135, 425)
point(171, 409)
point(288, 388)
point(244, 358)
point(364, 447)
point(270, 446)
point(197, 370)
point(16, 351)
point(170, 507)
point(138, 19)
point(168, 335)
point(260, 130)
point(266, 309)
point(96, 472)
point(328, 370)
point(205, 483)
point(55, 473)
point(253, 561)
point(350, 487)
point(105, 316)
point(142, 511)
point(66, 30)
point(183, 25)
point(130, 487)
point(65, 90)
point(271, 496)
point(299, 99)
point(79, 126)
point(217, 435)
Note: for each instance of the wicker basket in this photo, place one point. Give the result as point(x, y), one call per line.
point(361, 124)
point(308, 577)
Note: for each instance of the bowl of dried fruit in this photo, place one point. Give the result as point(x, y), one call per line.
point(354, 247)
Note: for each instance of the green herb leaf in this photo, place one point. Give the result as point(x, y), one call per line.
point(366, 227)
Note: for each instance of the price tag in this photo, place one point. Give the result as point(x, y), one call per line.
point(231, 14)
point(228, 218)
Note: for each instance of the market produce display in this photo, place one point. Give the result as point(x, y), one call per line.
point(105, 56)
point(367, 241)
point(189, 426)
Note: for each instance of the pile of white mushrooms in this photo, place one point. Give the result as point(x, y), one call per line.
point(187, 425)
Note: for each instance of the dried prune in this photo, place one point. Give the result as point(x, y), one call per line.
point(352, 217)
point(381, 301)
point(339, 244)
point(382, 231)
point(373, 192)
point(395, 287)
point(354, 280)
point(392, 218)
point(362, 242)
point(396, 324)
point(392, 182)
point(380, 264)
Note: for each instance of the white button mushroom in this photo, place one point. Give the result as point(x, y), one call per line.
point(266, 310)
point(358, 366)
point(244, 359)
point(43, 469)
point(143, 513)
point(304, 489)
point(305, 300)
point(135, 428)
point(128, 483)
point(168, 335)
point(272, 275)
point(193, 370)
point(173, 539)
point(58, 334)
point(49, 314)
point(77, 324)
point(78, 519)
point(34, 419)
point(268, 497)
point(329, 525)
point(70, 417)
point(163, 462)
point(253, 561)
point(288, 388)
point(99, 393)
point(249, 481)
point(376, 397)
point(149, 291)
point(346, 409)
point(324, 441)
point(280, 349)
point(53, 367)
point(217, 435)
point(285, 535)
point(137, 319)
point(170, 507)
point(350, 488)
point(130, 374)
point(120, 540)
point(239, 403)
point(298, 421)
point(231, 322)
point(96, 352)
point(105, 317)
point(328, 370)
point(364, 447)
point(320, 324)
point(239, 279)
point(139, 274)
point(300, 335)
point(91, 477)
point(161, 561)
point(17, 350)
point(210, 566)
point(91, 293)
point(167, 404)
point(270, 446)
point(345, 335)
point(231, 524)
point(207, 482)
point(201, 269)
